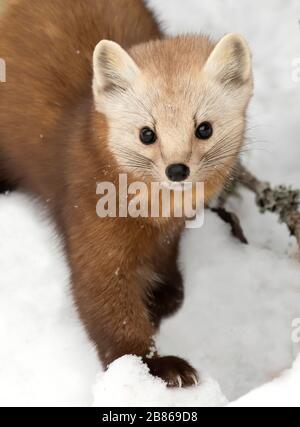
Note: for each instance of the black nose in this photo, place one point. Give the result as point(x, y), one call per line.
point(178, 172)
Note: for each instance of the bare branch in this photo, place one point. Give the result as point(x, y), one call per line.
point(233, 220)
point(282, 200)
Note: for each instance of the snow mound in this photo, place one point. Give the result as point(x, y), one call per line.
point(46, 358)
point(282, 392)
point(127, 383)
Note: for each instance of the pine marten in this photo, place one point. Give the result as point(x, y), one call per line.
point(93, 90)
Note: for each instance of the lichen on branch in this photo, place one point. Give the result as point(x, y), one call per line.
point(281, 200)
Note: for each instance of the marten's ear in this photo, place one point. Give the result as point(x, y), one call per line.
point(113, 67)
point(230, 62)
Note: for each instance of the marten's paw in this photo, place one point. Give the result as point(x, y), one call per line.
point(174, 371)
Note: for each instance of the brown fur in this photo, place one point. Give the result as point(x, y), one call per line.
point(53, 143)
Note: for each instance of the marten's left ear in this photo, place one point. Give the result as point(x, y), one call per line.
point(113, 67)
point(230, 62)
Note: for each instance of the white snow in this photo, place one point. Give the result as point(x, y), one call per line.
point(241, 301)
point(282, 392)
point(128, 383)
point(45, 356)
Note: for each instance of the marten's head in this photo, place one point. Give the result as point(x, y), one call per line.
point(175, 107)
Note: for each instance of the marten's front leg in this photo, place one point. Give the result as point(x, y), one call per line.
point(109, 291)
point(167, 293)
point(167, 296)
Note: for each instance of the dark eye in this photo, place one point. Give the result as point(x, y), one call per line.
point(204, 131)
point(147, 136)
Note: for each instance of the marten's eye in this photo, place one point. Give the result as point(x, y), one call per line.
point(147, 136)
point(204, 131)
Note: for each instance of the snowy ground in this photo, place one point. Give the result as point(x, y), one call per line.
point(236, 324)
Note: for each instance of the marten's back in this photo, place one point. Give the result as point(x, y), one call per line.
point(47, 46)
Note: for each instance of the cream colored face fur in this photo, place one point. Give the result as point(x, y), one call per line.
point(172, 86)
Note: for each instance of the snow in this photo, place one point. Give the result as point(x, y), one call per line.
point(128, 383)
point(40, 333)
point(282, 392)
point(244, 299)
point(237, 322)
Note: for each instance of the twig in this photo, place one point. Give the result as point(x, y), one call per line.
point(233, 220)
point(282, 200)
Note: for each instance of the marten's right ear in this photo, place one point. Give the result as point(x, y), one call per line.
point(113, 68)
